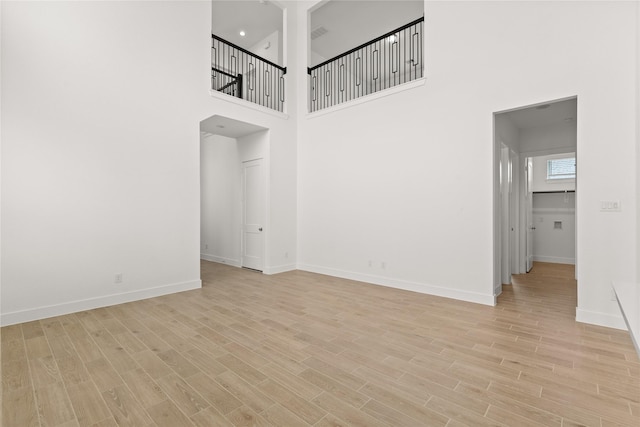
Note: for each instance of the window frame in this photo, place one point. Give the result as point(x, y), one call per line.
point(551, 178)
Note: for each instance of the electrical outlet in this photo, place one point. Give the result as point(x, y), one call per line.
point(206, 246)
point(383, 265)
point(117, 278)
point(286, 254)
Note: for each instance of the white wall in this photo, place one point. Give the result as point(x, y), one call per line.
point(269, 48)
point(408, 179)
point(220, 200)
point(540, 182)
point(555, 138)
point(638, 148)
point(506, 132)
point(637, 283)
point(253, 146)
point(100, 152)
point(316, 58)
point(551, 244)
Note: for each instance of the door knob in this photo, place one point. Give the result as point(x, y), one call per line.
point(260, 229)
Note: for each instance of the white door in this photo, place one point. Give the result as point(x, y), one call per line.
point(529, 212)
point(252, 215)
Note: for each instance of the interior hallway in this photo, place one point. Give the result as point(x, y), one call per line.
point(305, 349)
point(548, 288)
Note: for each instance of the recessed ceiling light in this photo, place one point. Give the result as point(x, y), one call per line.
point(568, 119)
point(220, 126)
point(242, 33)
point(543, 107)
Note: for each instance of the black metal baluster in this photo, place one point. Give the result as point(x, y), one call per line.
point(260, 83)
point(327, 76)
point(313, 86)
point(386, 64)
point(374, 66)
point(267, 87)
point(350, 79)
point(281, 83)
point(366, 77)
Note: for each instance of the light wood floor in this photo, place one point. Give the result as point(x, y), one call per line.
point(305, 349)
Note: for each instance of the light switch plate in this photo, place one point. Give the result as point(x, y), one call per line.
point(610, 206)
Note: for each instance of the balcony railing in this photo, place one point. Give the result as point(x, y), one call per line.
point(240, 73)
point(389, 60)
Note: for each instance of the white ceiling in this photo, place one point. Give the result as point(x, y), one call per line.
point(218, 125)
point(545, 114)
point(351, 23)
point(257, 19)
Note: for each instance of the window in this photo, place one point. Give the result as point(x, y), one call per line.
point(561, 168)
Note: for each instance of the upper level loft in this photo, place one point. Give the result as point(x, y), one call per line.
point(238, 72)
point(388, 60)
point(355, 48)
point(247, 52)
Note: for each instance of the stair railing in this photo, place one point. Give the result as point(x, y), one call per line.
point(237, 72)
point(389, 60)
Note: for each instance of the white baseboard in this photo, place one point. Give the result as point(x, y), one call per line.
point(279, 269)
point(422, 288)
point(600, 319)
point(554, 260)
point(628, 298)
point(222, 260)
point(39, 313)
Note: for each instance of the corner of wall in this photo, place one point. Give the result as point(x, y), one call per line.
point(44, 312)
point(423, 288)
point(600, 319)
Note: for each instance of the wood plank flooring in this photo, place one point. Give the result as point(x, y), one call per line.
point(301, 349)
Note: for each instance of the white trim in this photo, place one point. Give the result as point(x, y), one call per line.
point(279, 269)
point(221, 260)
point(368, 98)
point(600, 319)
point(628, 297)
point(549, 151)
point(560, 180)
point(553, 210)
point(422, 288)
point(248, 104)
point(554, 259)
point(91, 303)
point(524, 107)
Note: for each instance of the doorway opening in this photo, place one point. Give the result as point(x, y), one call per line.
point(534, 201)
point(233, 192)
